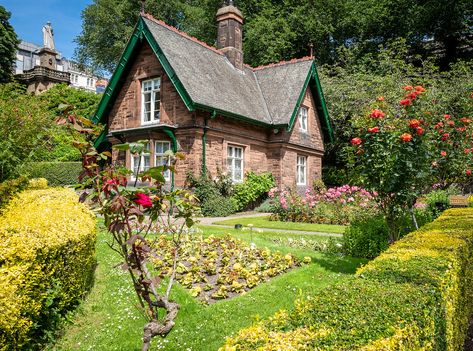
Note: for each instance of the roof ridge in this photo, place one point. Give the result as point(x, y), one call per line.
point(282, 63)
point(265, 104)
point(181, 33)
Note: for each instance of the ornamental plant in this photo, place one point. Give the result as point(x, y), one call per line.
point(402, 147)
point(130, 214)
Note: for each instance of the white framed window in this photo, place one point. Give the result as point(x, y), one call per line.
point(150, 100)
point(301, 170)
point(235, 163)
point(160, 159)
point(139, 163)
point(303, 119)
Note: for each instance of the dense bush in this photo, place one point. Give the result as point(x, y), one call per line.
point(10, 187)
point(252, 191)
point(57, 173)
point(47, 251)
point(415, 296)
point(214, 195)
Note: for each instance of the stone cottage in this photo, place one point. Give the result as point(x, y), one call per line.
point(181, 94)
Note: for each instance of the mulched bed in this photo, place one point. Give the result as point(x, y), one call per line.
point(216, 268)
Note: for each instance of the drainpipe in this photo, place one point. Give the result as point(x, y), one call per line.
point(204, 143)
point(170, 134)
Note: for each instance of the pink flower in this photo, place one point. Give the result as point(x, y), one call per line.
point(143, 200)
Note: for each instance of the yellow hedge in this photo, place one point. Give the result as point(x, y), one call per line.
point(415, 296)
point(47, 259)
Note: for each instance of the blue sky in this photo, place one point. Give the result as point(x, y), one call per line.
point(29, 16)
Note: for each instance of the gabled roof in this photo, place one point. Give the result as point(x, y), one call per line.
point(205, 79)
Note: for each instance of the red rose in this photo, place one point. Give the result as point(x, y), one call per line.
point(419, 131)
point(466, 151)
point(443, 153)
point(373, 130)
point(376, 113)
point(412, 95)
point(380, 98)
point(414, 123)
point(468, 172)
point(447, 116)
point(445, 136)
point(406, 137)
point(451, 123)
point(465, 120)
point(419, 88)
point(143, 200)
point(405, 102)
point(408, 87)
point(461, 129)
point(356, 141)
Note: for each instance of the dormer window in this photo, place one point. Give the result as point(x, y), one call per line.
point(150, 97)
point(303, 119)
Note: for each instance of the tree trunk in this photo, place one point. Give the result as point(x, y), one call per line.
point(155, 328)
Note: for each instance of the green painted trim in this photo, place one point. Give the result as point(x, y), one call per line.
point(320, 102)
point(232, 115)
point(326, 116)
point(170, 134)
point(299, 101)
point(168, 68)
point(204, 146)
point(111, 90)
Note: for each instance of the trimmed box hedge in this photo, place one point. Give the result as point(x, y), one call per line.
point(57, 173)
point(415, 296)
point(47, 261)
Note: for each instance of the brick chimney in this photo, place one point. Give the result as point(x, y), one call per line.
point(229, 41)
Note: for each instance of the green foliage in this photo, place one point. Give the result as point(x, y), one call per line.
point(47, 245)
point(415, 296)
point(251, 192)
point(8, 46)
point(214, 195)
point(437, 201)
point(25, 126)
point(267, 206)
point(366, 237)
point(57, 173)
point(10, 187)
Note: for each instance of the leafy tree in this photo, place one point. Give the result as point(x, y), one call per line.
point(25, 124)
point(8, 45)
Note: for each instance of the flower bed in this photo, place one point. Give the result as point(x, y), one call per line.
point(415, 296)
point(333, 206)
point(215, 268)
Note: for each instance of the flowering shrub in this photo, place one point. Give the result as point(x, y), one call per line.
point(334, 206)
point(401, 148)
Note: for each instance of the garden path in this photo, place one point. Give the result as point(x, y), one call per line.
point(210, 222)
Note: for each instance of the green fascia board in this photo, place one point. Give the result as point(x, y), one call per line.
point(313, 77)
point(112, 88)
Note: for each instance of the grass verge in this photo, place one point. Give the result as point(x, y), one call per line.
point(264, 222)
point(108, 320)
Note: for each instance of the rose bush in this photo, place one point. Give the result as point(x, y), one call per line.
point(412, 148)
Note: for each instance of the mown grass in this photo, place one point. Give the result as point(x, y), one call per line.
point(264, 222)
point(108, 320)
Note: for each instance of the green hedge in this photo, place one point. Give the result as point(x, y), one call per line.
point(57, 173)
point(47, 260)
point(415, 296)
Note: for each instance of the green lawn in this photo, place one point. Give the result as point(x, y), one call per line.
point(108, 320)
point(264, 222)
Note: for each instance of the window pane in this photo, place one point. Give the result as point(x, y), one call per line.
point(145, 160)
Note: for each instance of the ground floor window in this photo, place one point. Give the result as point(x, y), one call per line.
point(235, 162)
point(160, 159)
point(155, 157)
point(301, 171)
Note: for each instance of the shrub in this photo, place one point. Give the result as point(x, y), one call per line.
point(267, 206)
point(252, 191)
point(10, 187)
point(38, 183)
point(218, 206)
point(47, 258)
point(415, 296)
point(437, 201)
point(56, 173)
point(367, 237)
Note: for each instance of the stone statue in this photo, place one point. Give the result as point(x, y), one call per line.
point(48, 39)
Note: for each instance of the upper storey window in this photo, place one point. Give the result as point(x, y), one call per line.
point(303, 119)
point(150, 97)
